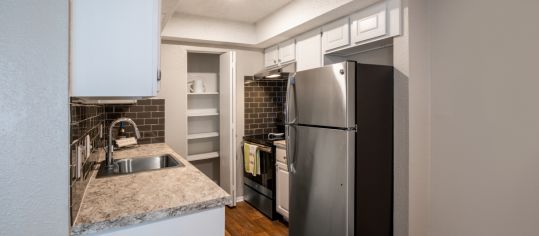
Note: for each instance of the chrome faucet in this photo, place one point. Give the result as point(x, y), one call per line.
point(110, 148)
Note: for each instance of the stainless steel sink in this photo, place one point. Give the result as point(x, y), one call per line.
point(140, 164)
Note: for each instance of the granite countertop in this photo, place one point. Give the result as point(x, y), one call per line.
point(118, 201)
point(280, 144)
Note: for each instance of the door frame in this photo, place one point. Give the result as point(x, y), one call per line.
point(232, 111)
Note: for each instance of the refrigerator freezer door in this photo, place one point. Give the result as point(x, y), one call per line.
point(325, 96)
point(322, 185)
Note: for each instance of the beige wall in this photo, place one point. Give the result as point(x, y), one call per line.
point(249, 62)
point(173, 90)
point(485, 117)
point(465, 103)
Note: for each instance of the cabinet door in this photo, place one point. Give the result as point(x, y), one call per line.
point(271, 56)
point(282, 190)
point(280, 155)
point(309, 50)
point(369, 23)
point(103, 62)
point(287, 51)
point(336, 34)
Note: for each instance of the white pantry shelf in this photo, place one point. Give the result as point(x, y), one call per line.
point(202, 112)
point(203, 135)
point(203, 156)
point(206, 93)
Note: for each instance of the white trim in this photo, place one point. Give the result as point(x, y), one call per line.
point(202, 135)
point(239, 199)
point(233, 124)
point(202, 156)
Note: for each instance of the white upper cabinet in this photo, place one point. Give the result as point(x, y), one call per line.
point(377, 22)
point(280, 54)
point(114, 48)
point(287, 51)
point(271, 56)
point(309, 50)
point(369, 23)
point(336, 34)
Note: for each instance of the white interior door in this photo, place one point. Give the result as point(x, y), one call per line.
point(227, 123)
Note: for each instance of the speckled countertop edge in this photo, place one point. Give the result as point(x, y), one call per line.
point(91, 228)
point(188, 206)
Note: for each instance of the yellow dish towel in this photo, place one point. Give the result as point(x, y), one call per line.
point(250, 154)
point(246, 157)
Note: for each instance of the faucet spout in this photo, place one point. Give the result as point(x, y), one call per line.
point(110, 148)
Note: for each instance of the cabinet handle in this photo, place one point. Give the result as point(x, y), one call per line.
point(158, 75)
point(274, 61)
point(279, 60)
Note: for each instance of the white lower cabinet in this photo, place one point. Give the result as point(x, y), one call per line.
point(282, 188)
point(208, 222)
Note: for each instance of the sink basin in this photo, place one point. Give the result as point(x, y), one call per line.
point(140, 164)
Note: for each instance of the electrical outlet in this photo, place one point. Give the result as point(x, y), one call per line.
point(80, 154)
point(100, 131)
point(88, 146)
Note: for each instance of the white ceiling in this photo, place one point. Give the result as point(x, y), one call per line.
point(249, 11)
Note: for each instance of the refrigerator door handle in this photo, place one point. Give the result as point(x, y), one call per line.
point(290, 123)
point(289, 88)
point(290, 148)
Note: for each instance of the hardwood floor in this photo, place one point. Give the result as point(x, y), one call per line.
point(246, 220)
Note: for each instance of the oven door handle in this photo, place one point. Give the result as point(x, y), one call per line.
point(260, 147)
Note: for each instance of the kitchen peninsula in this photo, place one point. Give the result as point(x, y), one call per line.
point(161, 202)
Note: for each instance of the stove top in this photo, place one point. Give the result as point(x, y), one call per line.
point(263, 139)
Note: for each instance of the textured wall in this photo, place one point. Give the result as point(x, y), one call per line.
point(34, 118)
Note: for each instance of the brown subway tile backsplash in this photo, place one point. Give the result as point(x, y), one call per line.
point(148, 114)
point(85, 120)
point(264, 106)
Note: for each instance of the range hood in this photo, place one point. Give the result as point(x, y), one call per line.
point(278, 73)
point(105, 100)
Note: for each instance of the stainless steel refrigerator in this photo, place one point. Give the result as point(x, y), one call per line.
point(339, 131)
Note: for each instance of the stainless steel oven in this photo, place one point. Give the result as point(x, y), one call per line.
point(259, 190)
